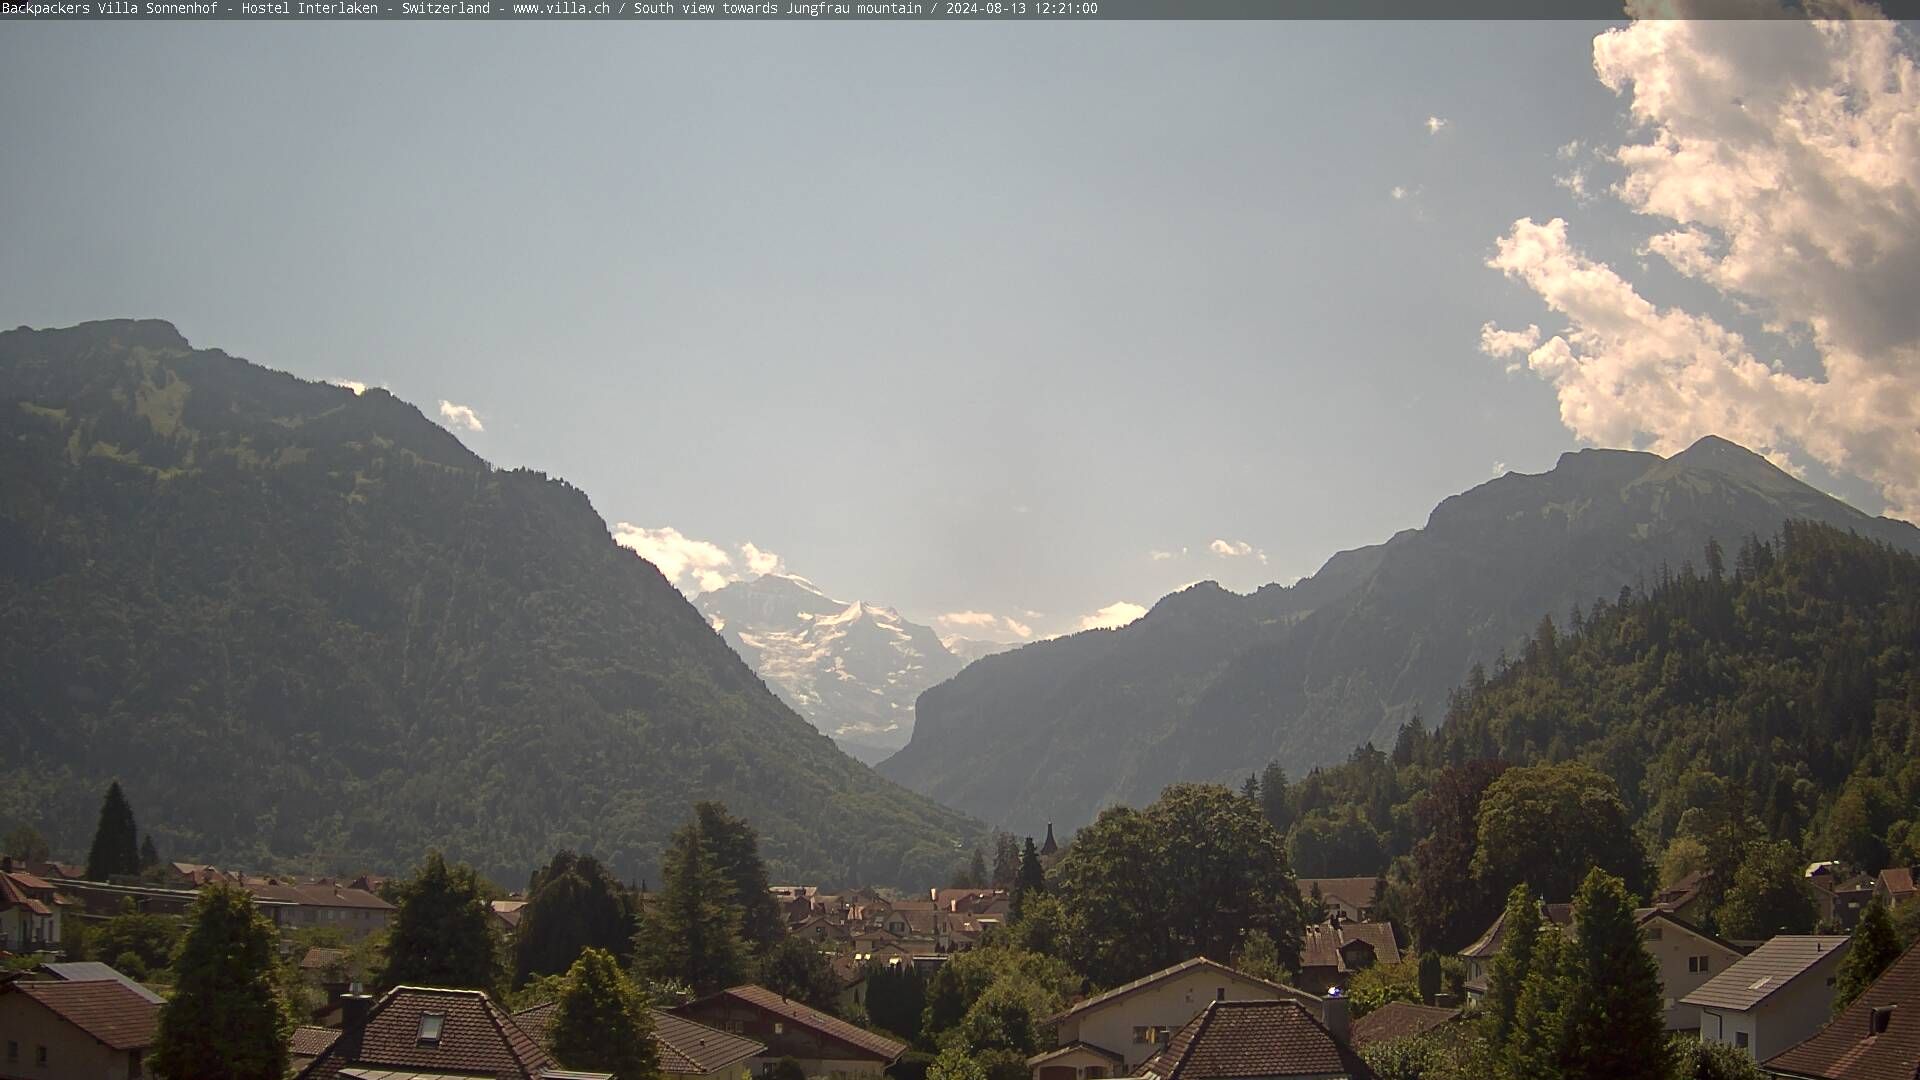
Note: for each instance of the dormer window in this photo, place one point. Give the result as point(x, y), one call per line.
point(1879, 1018)
point(430, 1026)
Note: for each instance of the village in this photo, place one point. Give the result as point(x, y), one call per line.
point(950, 984)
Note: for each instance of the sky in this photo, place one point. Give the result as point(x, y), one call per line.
point(1015, 328)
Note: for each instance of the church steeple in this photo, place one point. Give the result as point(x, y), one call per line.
point(1049, 847)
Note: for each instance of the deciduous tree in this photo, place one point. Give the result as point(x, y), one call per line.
point(573, 904)
point(226, 1019)
point(442, 933)
point(601, 1021)
point(1875, 946)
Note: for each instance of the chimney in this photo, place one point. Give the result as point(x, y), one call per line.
point(354, 1007)
point(1333, 1013)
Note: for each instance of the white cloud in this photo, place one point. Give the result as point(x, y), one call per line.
point(1398, 193)
point(1434, 124)
point(1782, 159)
point(1236, 549)
point(1499, 468)
point(1114, 615)
point(459, 416)
point(694, 566)
point(1162, 555)
point(981, 624)
point(354, 385)
point(761, 562)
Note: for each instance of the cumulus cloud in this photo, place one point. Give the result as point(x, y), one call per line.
point(1781, 161)
point(354, 385)
point(761, 562)
point(694, 566)
point(459, 416)
point(1434, 124)
point(1162, 555)
point(1236, 549)
point(1114, 615)
point(981, 624)
point(1397, 192)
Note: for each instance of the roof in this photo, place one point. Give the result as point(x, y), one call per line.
point(1231, 1040)
point(792, 1011)
point(340, 896)
point(1489, 942)
point(320, 958)
point(1684, 891)
point(1755, 976)
point(1182, 968)
point(1898, 881)
point(476, 1039)
point(1399, 1020)
point(1074, 1047)
point(685, 1046)
point(14, 894)
point(94, 971)
point(104, 1009)
point(1358, 893)
point(1846, 1050)
point(310, 1042)
point(1325, 945)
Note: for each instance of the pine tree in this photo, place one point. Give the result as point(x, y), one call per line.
point(1875, 945)
point(734, 847)
point(601, 1021)
point(149, 855)
point(1616, 1019)
point(227, 1019)
point(1006, 860)
point(1274, 801)
point(692, 933)
point(442, 933)
point(1032, 879)
point(1511, 965)
point(1537, 1044)
point(116, 840)
point(573, 904)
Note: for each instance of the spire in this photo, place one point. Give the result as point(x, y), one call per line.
point(1049, 847)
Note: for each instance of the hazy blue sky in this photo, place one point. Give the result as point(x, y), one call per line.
point(957, 318)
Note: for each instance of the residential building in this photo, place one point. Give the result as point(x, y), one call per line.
point(1399, 1020)
point(415, 1030)
point(686, 1050)
point(308, 1042)
point(1840, 896)
point(823, 1045)
point(30, 913)
point(1131, 1023)
point(1773, 997)
point(55, 1029)
point(1334, 950)
point(1352, 898)
point(1876, 1037)
point(1686, 897)
point(354, 912)
point(506, 913)
point(1894, 886)
point(92, 971)
point(1256, 1040)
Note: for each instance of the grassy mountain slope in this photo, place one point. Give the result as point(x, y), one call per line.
point(1210, 685)
point(305, 625)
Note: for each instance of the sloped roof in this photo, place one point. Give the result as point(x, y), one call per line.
point(1897, 880)
point(1241, 1040)
point(1183, 967)
point(1075, 1047)
point(317, 895)
point(1357, 893)
point(687, 1046)
point(319, 958)
point(813, 1019)
point(476, 1038)
point(104, 1009)
point(310, 1041)
point(1399, 1020)
point(94, 971)
point(1846, 1049)
point(1324, 945)
point(1757, 975)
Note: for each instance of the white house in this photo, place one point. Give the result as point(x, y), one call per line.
point(1773, 998)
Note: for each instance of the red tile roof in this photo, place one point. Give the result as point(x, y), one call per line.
point(1240, 1040)
point(1848, 1049)
point(311, 1042)
point(476, 1037)
point(1898, 881)
point(337, 896)
point(1327, 946)
point(106, 1010)
point(1181, 968)
point(684, 1046)
point(1399, 1020)
point(813, 1019)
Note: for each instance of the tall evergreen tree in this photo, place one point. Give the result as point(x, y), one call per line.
point(116, 840)
point(1274, 801)
point(601, 1021)
point(1507, 975)
point(896, 998)
point(1537, 1044)
point(692, 932)
point(1875, 946)
point(227, 1019)
point(1030, 881)
point(149, 855)
point(735, 849)
point(1616, 1020)
point(1006, 860)
point(442, 932)
point(573, 904)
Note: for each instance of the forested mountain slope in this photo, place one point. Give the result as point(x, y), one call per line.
point(1210, 685)
point(302, 625)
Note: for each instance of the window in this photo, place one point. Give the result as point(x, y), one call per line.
point(134, 1065)
point(779, 1028)
point(1880, 1019)
point(1740, 1040)
point(1150, 1034)
point(1697, 963)
point(13, 1050)
point(430, 1027)
point(40, 1056)
point(1653, 933)
point(1220, 994)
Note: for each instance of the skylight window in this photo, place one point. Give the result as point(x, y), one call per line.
point(430, 1025)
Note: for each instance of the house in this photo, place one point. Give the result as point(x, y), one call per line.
point(506, 914)
point(1877, 1037)
point(52, 1028)
point(415, 1030)
point(1351, 898)
point(1895, 887)
point(1334, 950)
point(1688, 956)
point(1686, 896)
point(195, 875)
point(823, 1045)
point(30, 913)
point(1131, 1023)
point(1840, 896)
point(1773, 997)
point(308, 1042)
point(1399, 1020)
point(92, 971)
point(1256, 1040)
point(354, 912)
point(686, 1050)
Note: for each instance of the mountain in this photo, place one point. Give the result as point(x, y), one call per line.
point(1213, 685)
point(971, 649)
point(306, 627)
point(853, 669)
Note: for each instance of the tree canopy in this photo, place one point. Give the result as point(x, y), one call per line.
point(442, 932)
point(227, 1019)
